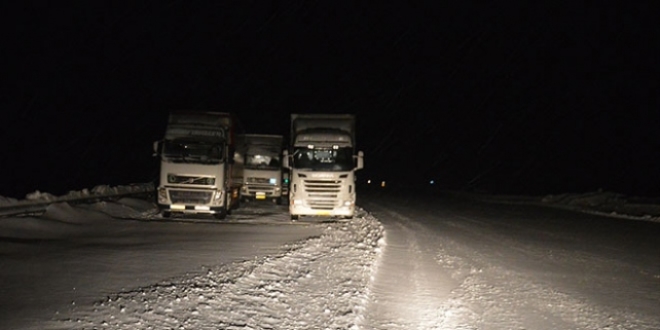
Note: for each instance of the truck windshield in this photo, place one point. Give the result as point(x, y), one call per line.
point(203, 152)
point(262, 162)
point(323, 159)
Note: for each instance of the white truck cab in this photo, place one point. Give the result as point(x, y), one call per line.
point(322, 163)
point(197, 165)
point(262, 172)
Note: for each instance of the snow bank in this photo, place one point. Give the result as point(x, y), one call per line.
point(609, 204)
point(61, 219)
point(7, 200)
point(38, 197)
point(598, 202)
point(319, 283)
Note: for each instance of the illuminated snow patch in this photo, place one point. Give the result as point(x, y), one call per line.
point(319, 283)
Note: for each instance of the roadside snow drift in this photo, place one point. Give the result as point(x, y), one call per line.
point(319, 283)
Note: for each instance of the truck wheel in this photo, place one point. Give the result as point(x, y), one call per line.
point(228, 206)
point(166, 214)
point(221, 215)
point(278, 200)
point(294, 217)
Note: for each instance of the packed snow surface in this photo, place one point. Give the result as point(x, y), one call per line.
point(454, 261)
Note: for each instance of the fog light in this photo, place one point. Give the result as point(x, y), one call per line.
point(162, 196)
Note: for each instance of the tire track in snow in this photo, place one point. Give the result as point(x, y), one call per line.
point(409, 287)
point(506, 296)
point(320, 283)
point(488, 292)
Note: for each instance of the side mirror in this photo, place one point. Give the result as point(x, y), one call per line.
point(231, 153)
point(360, 160)
point(285, 159)
point(156, 148)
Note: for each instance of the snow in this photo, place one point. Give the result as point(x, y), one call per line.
point(304, 287)
point(320, 279)
point(38, 197)
point(118, 265)
point(600, 202)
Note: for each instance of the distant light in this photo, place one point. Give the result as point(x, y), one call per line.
point(432, 182)
point(382, 184)
point(368, 181)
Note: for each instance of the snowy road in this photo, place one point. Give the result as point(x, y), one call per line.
point(438, 262)
point(471, 265)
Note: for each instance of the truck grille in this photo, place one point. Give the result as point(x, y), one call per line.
point(183, 179)
point(190, 197)
point(258, 188)
point(322, 194)
point(258, 180)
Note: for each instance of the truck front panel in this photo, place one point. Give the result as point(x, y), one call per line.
point(322, 162)
point(192, 188)
point(316, 193)
point(262, 184)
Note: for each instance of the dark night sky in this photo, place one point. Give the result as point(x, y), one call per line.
point(507, 98)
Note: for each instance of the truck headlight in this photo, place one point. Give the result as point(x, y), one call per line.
point(217, 198)
point(162, 196)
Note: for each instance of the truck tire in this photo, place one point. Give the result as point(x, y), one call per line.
point(294, 217)
point(166, 214)
point(228, 206)
point(221, 215)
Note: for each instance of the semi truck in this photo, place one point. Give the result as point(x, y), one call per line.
point(262, 168)
point(200, 169)
point(322, 160)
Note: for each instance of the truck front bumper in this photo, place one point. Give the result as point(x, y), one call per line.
point(343, 211)
point(257, 192)
point(191, 209)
